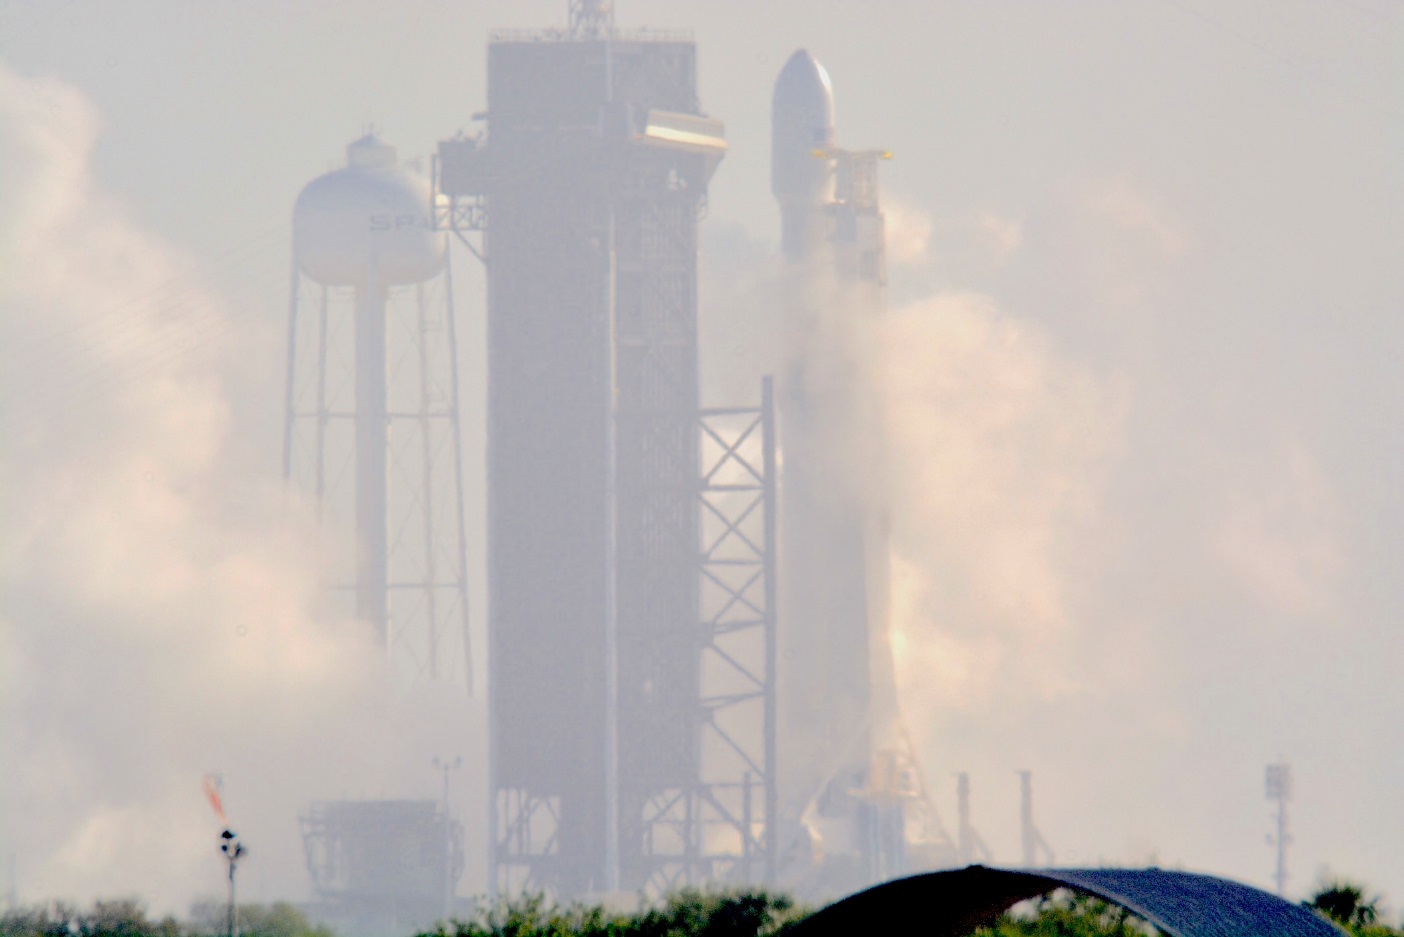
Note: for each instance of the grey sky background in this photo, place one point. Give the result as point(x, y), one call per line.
point(1143, 363)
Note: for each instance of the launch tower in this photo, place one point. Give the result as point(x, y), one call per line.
point(610, 686)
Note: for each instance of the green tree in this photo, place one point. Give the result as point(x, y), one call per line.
point(124, 917)
point(280, 919)
point(531, 916)
point(686, 914)
point(1350, 906)
point(720, 914)
point(1066, 914)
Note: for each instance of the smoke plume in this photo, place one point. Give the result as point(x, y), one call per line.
point(1092, 545)
point(997, 453)
point(1078, 530)
point(161, 602)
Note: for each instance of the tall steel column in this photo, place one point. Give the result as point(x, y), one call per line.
point(722, 829)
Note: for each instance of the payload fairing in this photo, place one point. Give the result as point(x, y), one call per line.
point(802, 124)
point(853, 801)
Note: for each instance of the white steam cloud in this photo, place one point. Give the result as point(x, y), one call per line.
point(1097, 544)
point(998, 450)
point(1072, 539)
point(1082, 557)
point(161, 610)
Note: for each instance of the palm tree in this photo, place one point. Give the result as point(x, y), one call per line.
point(1347, 904)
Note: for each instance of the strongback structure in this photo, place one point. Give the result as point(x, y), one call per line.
point(631, 739)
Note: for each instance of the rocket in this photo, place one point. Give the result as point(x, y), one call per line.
point(802, 127)
point(850, 789)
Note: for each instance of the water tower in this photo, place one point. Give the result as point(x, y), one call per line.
point(372, 414)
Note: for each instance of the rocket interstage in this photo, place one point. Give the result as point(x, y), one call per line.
point(852, 793)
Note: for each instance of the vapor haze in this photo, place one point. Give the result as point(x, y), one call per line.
point(1084, 542)
point(162, 605)
point(1141, 370)
point(1037, 600)
point(999, 451)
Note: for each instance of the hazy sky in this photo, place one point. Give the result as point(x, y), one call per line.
point(1144, 343)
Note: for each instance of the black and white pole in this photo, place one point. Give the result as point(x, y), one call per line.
point(233, 851)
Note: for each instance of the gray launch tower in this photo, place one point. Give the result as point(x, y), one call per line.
point(588, 186)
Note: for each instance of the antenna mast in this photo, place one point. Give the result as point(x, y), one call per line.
point(968, 842)
point(1033, 840)
point(591, 19)
point(1279, 790)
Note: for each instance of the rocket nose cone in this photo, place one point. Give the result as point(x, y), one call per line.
point(802, 121)
point(802, 87)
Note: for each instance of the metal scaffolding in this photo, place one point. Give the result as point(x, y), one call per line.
point(739, 587)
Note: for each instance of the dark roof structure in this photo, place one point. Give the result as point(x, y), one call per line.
point(956, 902)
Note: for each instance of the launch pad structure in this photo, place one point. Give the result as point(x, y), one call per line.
point(630, 532)
point(633, 629)
point(382, 866)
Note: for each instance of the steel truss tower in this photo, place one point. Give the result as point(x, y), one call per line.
point(372, 413)
point(631, 600)
point(1278, 784)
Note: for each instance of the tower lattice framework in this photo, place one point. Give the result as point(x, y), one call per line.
point(631, 590)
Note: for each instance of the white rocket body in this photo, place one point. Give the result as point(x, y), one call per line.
point(847, 774)
point(802, 126)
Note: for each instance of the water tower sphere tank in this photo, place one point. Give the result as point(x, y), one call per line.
point(371, 216)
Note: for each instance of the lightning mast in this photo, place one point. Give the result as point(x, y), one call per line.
point(1278, 787)
point(968, 841)
point(1032, 840)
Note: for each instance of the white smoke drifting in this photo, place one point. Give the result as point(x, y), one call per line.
point(997, 452)
point(1083, 555)
point(160, 601)
point(1123, 561)
point(1105, 555)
